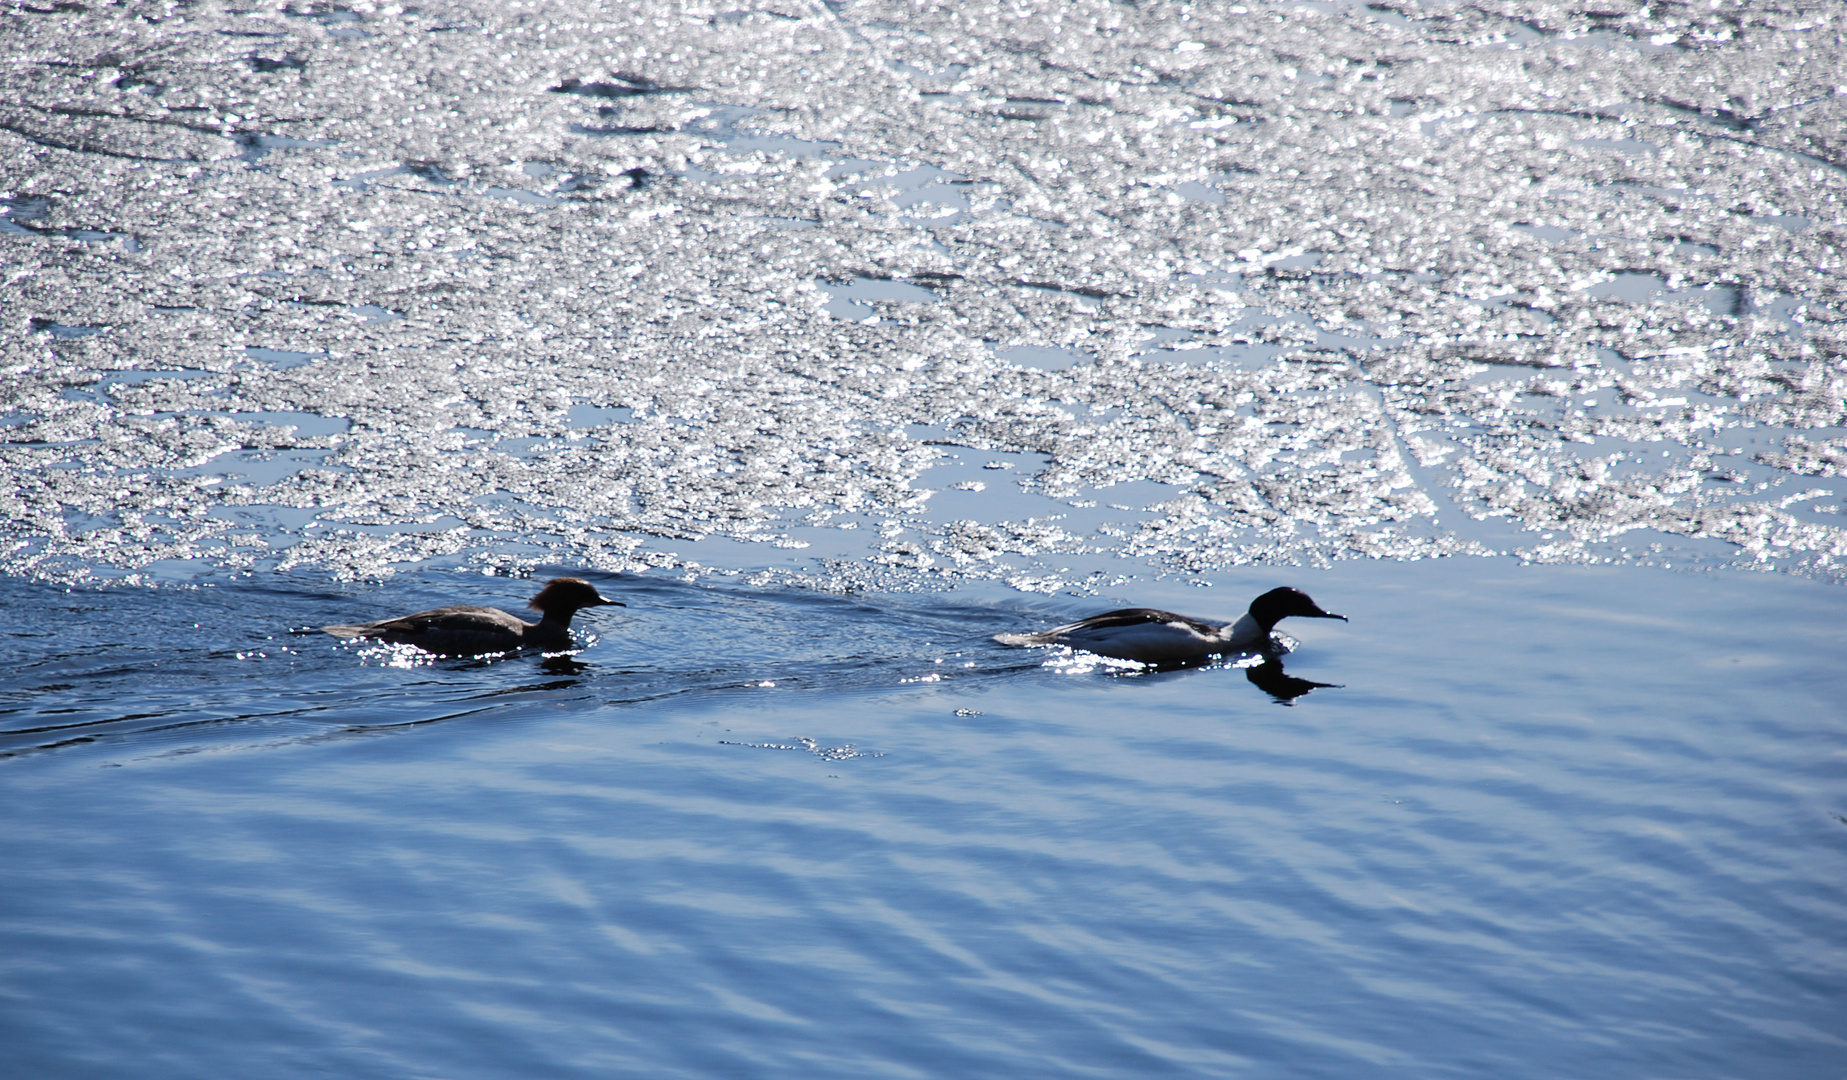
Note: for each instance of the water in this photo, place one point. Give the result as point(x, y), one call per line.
point(776, 832)
point(836, 339)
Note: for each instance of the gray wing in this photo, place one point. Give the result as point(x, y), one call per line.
point(1137, 616)
point(462, 619)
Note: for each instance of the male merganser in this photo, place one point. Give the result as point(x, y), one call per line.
point(1162, 637)
point(466, 630)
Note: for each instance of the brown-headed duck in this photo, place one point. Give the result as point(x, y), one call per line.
point(465, 630)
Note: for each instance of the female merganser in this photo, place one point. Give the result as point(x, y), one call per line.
point(465, 630)
point(1162, 637)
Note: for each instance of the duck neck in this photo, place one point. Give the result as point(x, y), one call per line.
point(554, 627)
point(1249, 629)
point(1267, 614)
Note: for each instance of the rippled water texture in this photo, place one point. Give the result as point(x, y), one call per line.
point(835, 338)
point(1552, 822)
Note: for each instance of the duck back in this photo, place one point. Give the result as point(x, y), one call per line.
point(461, 629)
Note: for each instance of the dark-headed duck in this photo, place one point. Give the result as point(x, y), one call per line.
point(465, 630)
point(1162, 637)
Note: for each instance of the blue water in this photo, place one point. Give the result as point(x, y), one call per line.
point(1552, 822)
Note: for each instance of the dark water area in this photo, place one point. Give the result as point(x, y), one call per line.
point(1551, 821)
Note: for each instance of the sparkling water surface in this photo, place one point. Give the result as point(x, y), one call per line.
point(1553, 821)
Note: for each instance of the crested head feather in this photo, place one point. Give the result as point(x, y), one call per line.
point(565, 595)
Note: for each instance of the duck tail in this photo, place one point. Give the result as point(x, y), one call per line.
point(1023, 639)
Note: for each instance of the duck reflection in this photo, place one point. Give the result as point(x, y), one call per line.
point(1270, 677)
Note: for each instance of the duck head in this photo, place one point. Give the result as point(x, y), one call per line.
point(1279, 604)
point(563, 596)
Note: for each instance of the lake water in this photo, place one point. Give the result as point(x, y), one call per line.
point(1553, 821)
point(835, 338)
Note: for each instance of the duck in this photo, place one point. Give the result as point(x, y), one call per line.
point(466, 630)
point(1151, 636)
